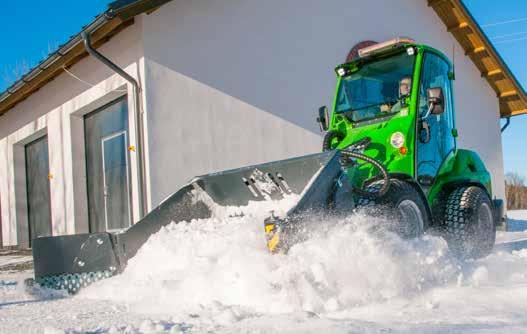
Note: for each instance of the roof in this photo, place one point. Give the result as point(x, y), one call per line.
point(477, 46)
point(121, 13)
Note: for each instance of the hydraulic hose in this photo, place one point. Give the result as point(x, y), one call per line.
point(386, 178)
point(328, 140)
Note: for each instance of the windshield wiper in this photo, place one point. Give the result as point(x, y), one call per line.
point(383, 115)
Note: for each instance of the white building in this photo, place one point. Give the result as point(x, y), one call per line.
point(222, 84)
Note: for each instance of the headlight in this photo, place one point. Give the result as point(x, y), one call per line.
point(341, 71)
point(397, 140)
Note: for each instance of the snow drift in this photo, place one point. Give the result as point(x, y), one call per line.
point(214, 264)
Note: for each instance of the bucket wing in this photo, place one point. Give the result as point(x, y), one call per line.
point(72, 261)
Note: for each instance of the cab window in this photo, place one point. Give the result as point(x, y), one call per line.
point(434, 148)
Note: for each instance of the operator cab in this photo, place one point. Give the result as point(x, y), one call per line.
point(397, 86)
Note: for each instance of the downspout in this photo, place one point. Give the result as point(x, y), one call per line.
point(507, 122)
point(139, 130)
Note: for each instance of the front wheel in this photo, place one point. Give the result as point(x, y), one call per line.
point(470, 229)
point(402, 202)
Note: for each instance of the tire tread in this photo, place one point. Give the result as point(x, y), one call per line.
point(461, 206)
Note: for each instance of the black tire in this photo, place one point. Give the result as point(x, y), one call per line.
point(328, 140)
point(470, 229)
point(401, 201)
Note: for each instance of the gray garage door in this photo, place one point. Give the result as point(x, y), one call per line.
point(106, 137)
point(37, 182)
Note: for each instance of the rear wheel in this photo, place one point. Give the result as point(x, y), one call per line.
point(401, 201)
point(470, 230)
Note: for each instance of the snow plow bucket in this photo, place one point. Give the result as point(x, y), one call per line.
point(70, 262)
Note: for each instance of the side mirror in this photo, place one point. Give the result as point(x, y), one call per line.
point(323, 118)
point(436, 101)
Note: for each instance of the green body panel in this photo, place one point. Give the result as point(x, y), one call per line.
point(460, 166)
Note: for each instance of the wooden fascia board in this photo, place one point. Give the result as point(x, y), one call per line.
point(454, 10)
point(67, 60)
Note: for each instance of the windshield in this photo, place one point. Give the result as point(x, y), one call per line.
point(377, 89)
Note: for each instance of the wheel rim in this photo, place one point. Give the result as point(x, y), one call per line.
point(412, 218)
point(484, 217)
point(483, 226)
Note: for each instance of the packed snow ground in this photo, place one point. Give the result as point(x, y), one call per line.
point(11, 260)
point(350, 276)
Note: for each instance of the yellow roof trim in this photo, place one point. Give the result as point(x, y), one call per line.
point(461, 24)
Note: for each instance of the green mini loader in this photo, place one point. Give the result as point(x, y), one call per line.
point(390, 143)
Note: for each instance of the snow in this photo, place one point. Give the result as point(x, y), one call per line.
point(349, 276)
point(10, 260)
point(517, 215)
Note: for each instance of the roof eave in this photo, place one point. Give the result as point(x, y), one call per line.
point(477, 46)
point(120, 14)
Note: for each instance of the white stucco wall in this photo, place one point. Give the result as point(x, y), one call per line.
point(237, 82)
point(57, 110)
point(225, 84)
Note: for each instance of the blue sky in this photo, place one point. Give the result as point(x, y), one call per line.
point(31, 28)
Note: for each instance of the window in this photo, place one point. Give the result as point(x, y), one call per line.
point(435, 73)
point(373, 91)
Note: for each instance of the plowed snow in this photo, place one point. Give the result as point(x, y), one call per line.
point(350, 276)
